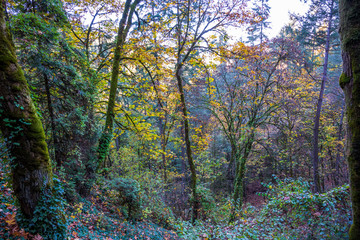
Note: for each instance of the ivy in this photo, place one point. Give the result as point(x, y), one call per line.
point(47, 213)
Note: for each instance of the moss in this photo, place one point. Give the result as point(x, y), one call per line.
point(354, 233)
point(104, 145)
point(16, 87)
point(19, 77)
point(5, 60)
point(349, 23)
point(31, 166)
point(344, 80)
point(350, 37)
point(7, 52)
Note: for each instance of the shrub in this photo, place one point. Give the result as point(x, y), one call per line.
point(207, 203)
point(127, 195)
point(294, 209)
point(291, 211)
point(156, 211)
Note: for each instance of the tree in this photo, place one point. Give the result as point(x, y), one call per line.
point(318, 32)
point(350, 83)
point(194, 21)
point(22, 128)
point(245, 99)
point(256, 31)
point(37, 23)
point(124, 27)
point(320, 100)
point(63, 85)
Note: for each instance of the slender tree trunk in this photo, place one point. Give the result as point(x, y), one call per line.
point(319, 104)
point(124, 26)
point(162, 129)
point(350, 83)
point(195, 204)
point(57, 154)
point(289, 145)
point(21, 126)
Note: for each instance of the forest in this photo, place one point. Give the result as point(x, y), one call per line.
point(178, 119)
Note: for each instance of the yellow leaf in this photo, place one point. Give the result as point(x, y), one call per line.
point(10, 219)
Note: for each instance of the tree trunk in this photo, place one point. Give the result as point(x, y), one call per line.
point(239, 178)
point(230, 169)
point(195, 204)
point(124, 26)
point(319, 104)
point(350, 83)
point(57, 154)
point(163, 143)
point(23, 130)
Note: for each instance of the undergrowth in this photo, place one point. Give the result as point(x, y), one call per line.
point(291, 211)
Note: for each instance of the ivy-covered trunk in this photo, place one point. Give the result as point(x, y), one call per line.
point(350, 83)
point(239, 177)
point(23, 131)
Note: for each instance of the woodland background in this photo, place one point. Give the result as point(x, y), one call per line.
point(172, 126)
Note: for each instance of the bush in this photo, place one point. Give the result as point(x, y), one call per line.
point(156, 211)
point(207, 203)
point(294, 209)
point(127, 195)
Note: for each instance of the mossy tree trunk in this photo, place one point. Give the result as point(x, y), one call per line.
point(124, 26)
point(238, 195)
point(22, 129)
point(350, 83)
point(230, 173)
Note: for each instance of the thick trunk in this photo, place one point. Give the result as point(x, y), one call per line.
point(22, 128)
point(350, 83)
point(230, 170)
point(124, 25)
point(195, 204)
point(319, 104)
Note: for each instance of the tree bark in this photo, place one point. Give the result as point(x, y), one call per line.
point(350, 83)
point(319, 105)
point(195, 204)
point(238, 196)
point(230, 169)
point(22, 129)
point(124, 26)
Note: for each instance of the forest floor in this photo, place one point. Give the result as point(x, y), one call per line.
point(89, 219)
point(290, 212)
